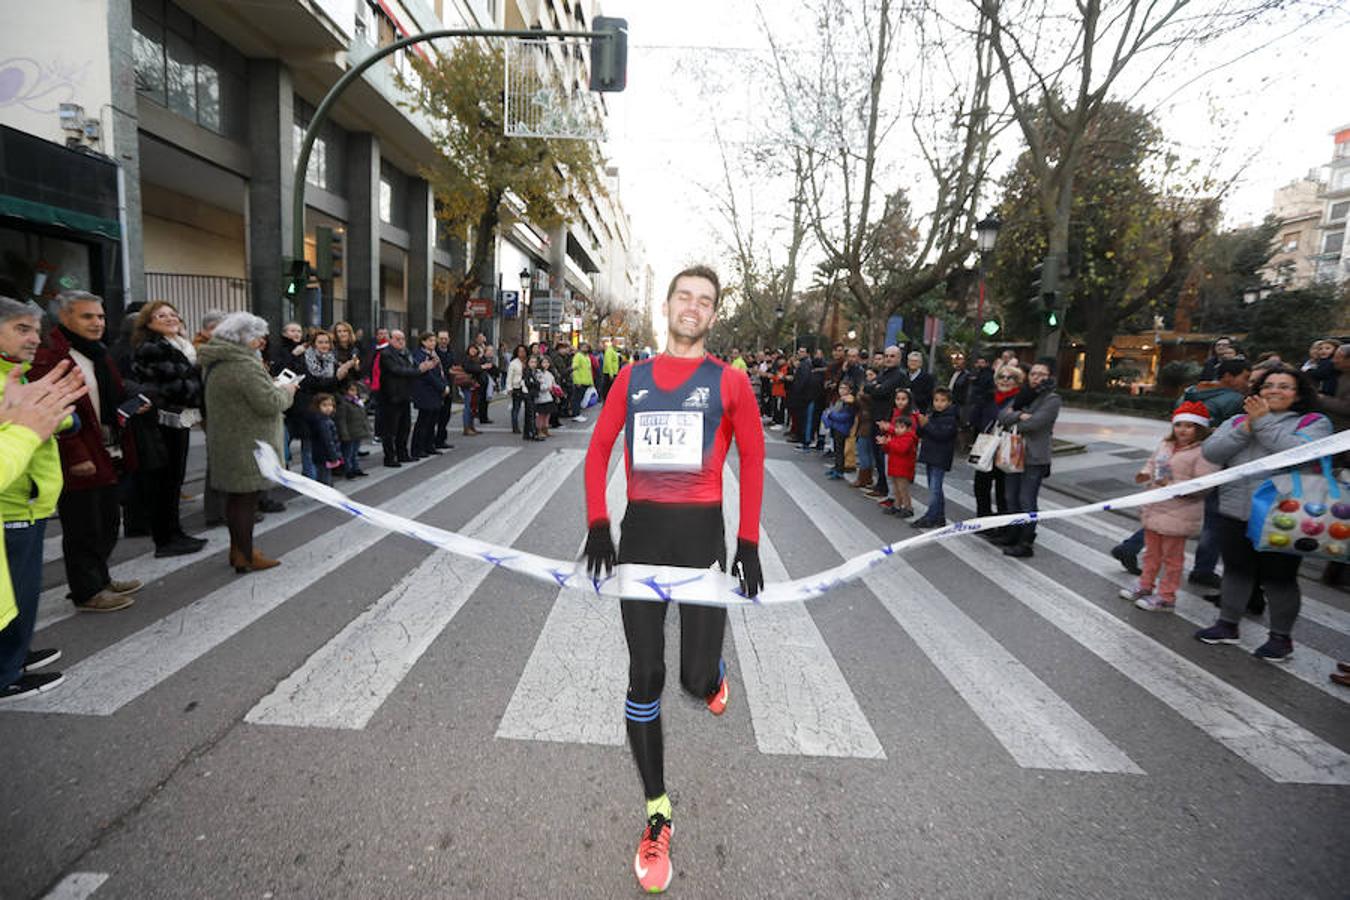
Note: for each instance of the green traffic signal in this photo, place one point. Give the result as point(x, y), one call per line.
point(989, 328)
point(1052, 318)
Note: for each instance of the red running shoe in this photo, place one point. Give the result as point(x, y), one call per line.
point(652, 863)
point(717, 700)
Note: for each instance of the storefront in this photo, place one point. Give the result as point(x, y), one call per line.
point(59, 221)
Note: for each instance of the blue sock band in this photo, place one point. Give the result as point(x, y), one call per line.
point(642, 712)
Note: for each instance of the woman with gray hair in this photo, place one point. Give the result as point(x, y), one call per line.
point(239, 390)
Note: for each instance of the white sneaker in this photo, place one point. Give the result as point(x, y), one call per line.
point(581, 419)
point(1134, 594)
point(775, 427)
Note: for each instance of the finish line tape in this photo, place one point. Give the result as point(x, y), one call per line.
point(715, 588)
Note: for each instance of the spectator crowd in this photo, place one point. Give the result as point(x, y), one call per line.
point(95, 429)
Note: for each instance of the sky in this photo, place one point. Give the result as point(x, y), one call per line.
point(1275, 109)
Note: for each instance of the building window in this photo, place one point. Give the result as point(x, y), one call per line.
point(1284, 273)
point(386, 201)
point(1290, 242)
point(1332, 243)
point(1340, 180)
point(182, 65)
point(1338, 211)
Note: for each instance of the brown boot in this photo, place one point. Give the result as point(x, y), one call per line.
point(864, 479)
point(261, 562)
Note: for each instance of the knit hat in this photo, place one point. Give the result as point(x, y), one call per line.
point(1192, 411)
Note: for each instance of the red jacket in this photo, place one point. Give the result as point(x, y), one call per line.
point(902, 449)
point(85, 444)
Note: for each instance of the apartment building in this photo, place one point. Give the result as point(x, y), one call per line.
point(1332, 260)
point(184, 120)
point(1298, 206)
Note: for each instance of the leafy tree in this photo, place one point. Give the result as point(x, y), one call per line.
point(1289, 321)
point(1130, 243)
point(1227, 264)
point(461, 94)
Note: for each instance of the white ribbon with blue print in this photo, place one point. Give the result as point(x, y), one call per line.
point(716, 588)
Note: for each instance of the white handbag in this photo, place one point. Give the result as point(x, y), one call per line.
point(982, 452)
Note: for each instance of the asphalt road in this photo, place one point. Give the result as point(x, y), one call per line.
point(374, 720)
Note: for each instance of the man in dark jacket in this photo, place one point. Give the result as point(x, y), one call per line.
point(881, 393)
point(92, 457)
point(397, 374)
point(447, 359)
point(921, 382)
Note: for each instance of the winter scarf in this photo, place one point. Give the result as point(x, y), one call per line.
point(97, 351)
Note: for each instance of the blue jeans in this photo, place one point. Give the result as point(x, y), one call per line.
point(865, 451)
point(23, 548)
point(307, 467)
point(468, 407)
point(350, 462)
point(1024, 490)
point(937, 504)
point(809, 425)
point(1207, 550)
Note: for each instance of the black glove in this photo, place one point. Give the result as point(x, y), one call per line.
point(746, 567)
point(600, 555)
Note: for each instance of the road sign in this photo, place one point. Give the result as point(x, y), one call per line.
point(510, 304)
point(478, 308)
point(548, 311)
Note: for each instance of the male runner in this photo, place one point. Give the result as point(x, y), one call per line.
point(679, 411)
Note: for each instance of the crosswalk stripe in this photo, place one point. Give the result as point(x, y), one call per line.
point(1280, 748)
point(1033, 723)
point(77, 886)
point(573, 685)
point(1312, 610)
point(799, 701)
point(54, 606)
point(105, 682)
point(1308, 664)
point(345, 682)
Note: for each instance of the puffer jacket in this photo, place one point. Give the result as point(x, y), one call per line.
point(32, 492)
point(1234, 443)
point(1181, 515)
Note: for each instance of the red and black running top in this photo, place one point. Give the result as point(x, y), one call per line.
point(668, 388)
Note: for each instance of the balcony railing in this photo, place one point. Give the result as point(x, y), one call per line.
point(193, 295)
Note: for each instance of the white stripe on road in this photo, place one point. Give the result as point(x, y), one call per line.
point(345, 682)
point(1272, 743)
point(800, 703)
point(76, 886)
point(1313, 610)
point(574, 683)
point(105, 682)
point(1308, 664)
point(55, 606)
point(1037, 727)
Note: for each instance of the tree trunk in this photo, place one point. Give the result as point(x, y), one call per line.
point(481, 267)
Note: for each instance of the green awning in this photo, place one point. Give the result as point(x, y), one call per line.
point(47, 214)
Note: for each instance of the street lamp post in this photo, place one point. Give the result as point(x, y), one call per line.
point(986, 235)
point(525, 285)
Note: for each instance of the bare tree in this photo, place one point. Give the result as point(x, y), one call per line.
point(1060, 69)
point(844, 116)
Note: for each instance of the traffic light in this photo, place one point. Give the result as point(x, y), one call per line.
point(1045, 290)
point(989, 328)
point(298, 279)
point(609, 54)
point(327, 253)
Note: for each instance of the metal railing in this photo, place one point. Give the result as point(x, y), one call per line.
point(193, 295)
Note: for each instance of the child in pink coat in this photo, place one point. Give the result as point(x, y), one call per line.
point(1168, 523)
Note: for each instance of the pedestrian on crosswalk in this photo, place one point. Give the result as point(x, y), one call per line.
point(898, 441)
point(1033, 412)
point(1278, 415)
point(429, 394)
point(30, 483)
point(990, 488)
point(353, 427)
point(238, 390)
point(1168, 523)
point(164, 364)
point(92, 458)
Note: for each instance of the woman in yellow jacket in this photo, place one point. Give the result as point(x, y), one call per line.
point(30, 483)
